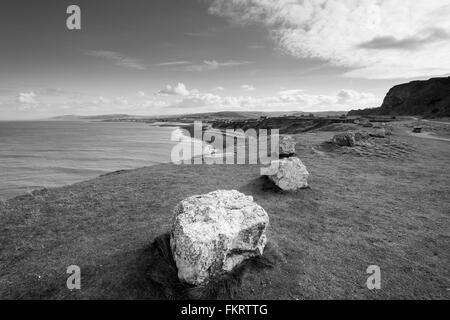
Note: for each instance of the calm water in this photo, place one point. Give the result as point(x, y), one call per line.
point(48, 154)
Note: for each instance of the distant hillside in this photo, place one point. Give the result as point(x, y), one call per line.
point(67, 117)
point(73, 117)
point(207, 116)
point(429, 98)
point(226, 114)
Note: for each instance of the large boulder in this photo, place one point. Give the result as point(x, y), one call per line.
point(288, 174)
point(287, 146)
point(214, 232)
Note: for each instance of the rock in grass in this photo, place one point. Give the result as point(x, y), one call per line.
point(286, 146)
point(380, 133)
point(350, 139)
point(289, 174)
point(346, 139)
point(361, 136)
point(214, 232)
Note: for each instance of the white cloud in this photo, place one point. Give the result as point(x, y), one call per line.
point(248, 87)
point(117, 58)
point(291, 92)
point(373, 38)
point(219, 88)
point(178, 90)
point(215, 65)
point(205, 65)
point(101, 100)
point(141, 94)
point(287, 100)
point(198, 100)
point(155, 104)
point(27, 100)
point(172, 63)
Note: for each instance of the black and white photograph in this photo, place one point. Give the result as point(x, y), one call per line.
point(223, 154)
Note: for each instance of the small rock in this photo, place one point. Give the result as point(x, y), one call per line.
point(361, 136)
point(381, 133)
point(377, 125)
point(287, 146)
point(288, 174)
point(214, 232)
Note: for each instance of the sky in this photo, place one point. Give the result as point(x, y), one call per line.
point(158, 57)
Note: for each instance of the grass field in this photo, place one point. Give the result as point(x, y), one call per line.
point(388, 206)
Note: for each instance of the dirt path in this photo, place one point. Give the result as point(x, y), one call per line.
point(431, 121)
point(427, 135)
point(439, 122)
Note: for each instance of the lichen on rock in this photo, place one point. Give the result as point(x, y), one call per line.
point(212, 233)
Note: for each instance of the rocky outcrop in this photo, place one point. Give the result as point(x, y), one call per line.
point(288, 174)
point(286, 146)
point(214, 232)
point(430, 98)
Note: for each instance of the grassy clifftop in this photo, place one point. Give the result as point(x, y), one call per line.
point(360, 210)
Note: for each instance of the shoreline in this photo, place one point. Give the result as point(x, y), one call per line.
point(30, 191)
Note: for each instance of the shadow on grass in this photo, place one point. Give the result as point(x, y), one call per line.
point(157, 272)
point(268, 185)
point(264, 184)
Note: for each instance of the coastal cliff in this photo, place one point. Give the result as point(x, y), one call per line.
point(429, 98)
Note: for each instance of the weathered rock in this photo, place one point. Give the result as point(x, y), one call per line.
point(361, 136)
point(381, 133)
point(287, 146)
point(351, 139)
point(346, 139)
point(214, 232)
point(377, 125)
point(288, 174)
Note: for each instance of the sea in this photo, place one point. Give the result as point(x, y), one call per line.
point(44, 154)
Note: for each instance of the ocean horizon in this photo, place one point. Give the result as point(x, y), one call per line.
point(45, 154)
